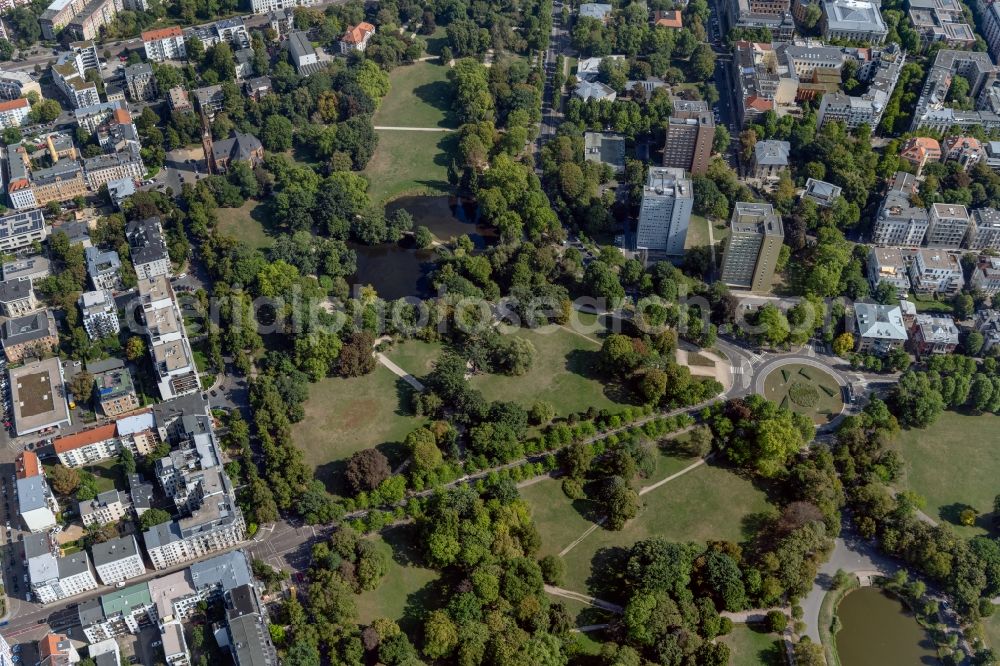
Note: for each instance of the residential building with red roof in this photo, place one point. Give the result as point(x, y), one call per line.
point(164, 44)
point(14, 112)
point(356, 38)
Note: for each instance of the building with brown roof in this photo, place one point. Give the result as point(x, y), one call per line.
point(668, 19)
point(164, 44)
point(357, 37)
point(87, 446)
point(920, 150)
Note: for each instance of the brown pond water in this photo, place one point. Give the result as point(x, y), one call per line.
point(879, 631)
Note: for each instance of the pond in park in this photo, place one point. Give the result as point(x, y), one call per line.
point(399, 269)
point(878, 630)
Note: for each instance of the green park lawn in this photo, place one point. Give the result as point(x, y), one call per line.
point(697, 235)
point(991, 630)
point(413, 162)
point(563, 373)
point(805, 390)
point(954, 464)
point(419, 96)
point(752, 647)
point(406, 592)
point(415, 356)
point(707, 503)
point(409, 163)
point(245, 223)
point(343, 416)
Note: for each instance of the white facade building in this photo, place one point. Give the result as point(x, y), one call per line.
point(118, 560)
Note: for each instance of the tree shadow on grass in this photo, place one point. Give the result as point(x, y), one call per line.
point(404, 540)
point(604, 581)
point(418, 605)
point(584, 363)
point(951, 513)
point(439, 95)
point(404, 398)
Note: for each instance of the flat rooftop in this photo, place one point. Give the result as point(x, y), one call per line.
point(38, 397)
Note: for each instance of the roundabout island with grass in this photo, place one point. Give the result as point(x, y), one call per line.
point(805, 389)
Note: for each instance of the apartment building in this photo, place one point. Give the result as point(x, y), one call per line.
point(756, 236)
point(887, 264)
point(987, 322)
point(15, 85)
point(690, 133)
point(14, 113)
point(102, 169)
point(164, 44)
point(667, 202)
point(948, 225)
point(17, 298)
point(879, 69)
point(985, 276)
point(984, 230)
point(966, 150)
point(267, 6)
point(773, 15)
point(87, 447)
point(246, 627)
point(933, 271)
point(941, 21)
point(95, 15)
point(56, 650)
point(36, 504)
point(33, 335)
point(140, 82)
point(120, 613)
point(978, 69)
point(210, 100)
point(168, 343)
point(148, 249)
point(117, 560)
point(233, 31)
point(52, 577)
point(92, 117)
point(103, 269)
point(934, 334)
point(879, 328)
point(100, 314)
point(108, 507)
point(115, 392)
point(70, 74)
point(900, 223)
point(193, 476)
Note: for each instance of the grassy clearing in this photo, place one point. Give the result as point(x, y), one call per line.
point(245, 223)
point(930, 304)
point(415, 356)
point(344, 416)
point(750, 645)
point(697, 235)
point(419, 96)
point(436, 40)
point(991, 630)
point(953, 464)
point(583, 614)
point(806, 390)
point(409, 163)
point(707, 503)
point(406, 593)
point(564, 374)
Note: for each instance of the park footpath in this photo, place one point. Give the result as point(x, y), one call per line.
point(469, 479)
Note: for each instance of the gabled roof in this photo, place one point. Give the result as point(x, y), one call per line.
point(880, 322)
point(83, 438)
point(162, 33)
